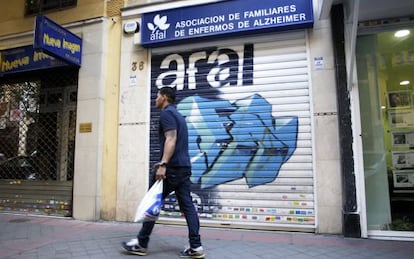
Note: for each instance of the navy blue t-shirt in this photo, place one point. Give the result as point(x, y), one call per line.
point(171, 119)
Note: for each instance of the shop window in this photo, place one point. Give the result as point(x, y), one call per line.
point(39, 6)
point(38, 126)
point(385, 62)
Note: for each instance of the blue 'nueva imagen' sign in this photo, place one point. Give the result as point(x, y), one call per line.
point(236, 16)
point(57, 41)
point(24, 59)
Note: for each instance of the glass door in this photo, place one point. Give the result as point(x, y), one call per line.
point(385, 63)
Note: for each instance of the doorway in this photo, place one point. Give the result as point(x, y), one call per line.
point(385, 66)
point(37, 142)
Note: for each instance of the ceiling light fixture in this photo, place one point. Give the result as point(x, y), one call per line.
point(401, 33)
point(405, 82)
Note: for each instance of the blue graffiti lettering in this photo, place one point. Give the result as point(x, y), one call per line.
point(229, 141)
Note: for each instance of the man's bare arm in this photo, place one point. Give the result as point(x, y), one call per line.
point(169, 145)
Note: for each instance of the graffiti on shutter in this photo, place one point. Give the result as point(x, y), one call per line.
point(248, 114)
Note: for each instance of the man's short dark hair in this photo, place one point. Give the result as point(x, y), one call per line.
point(169, 92)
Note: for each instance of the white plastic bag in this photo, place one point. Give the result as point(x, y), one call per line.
point(150, 207)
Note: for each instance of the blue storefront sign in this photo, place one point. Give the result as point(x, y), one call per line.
point(24, 59)
point(228, 17)
point(57, 41)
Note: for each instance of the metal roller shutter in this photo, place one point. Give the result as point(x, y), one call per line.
point(247, 107)
point(37, 138)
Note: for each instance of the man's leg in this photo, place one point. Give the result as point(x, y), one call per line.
point(147, 227)
point(145, 232)
point(187, 207)
point(139, 245)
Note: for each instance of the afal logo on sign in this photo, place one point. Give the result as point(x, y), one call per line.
point(158, 28)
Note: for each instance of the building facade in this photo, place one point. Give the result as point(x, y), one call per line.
point(257, 87)
point(300, 113)
point(334, 179)
point(56, 114)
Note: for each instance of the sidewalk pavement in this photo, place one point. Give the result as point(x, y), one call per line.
point(24, 236)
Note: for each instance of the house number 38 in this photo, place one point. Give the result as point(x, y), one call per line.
point(140, 67)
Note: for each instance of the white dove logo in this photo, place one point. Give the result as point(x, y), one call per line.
point(158, 28)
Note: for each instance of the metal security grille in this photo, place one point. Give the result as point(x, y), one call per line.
point(19, 114)
point(37, 142)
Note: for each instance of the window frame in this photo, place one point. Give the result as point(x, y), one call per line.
point(34, 7)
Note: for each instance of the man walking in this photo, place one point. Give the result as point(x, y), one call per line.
point(175, 169)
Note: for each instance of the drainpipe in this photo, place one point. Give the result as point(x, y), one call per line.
point(353, 36)
point(351, 226)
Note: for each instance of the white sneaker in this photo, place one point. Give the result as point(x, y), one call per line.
point(193, 253)
point(133, 247)
point(132, 242)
